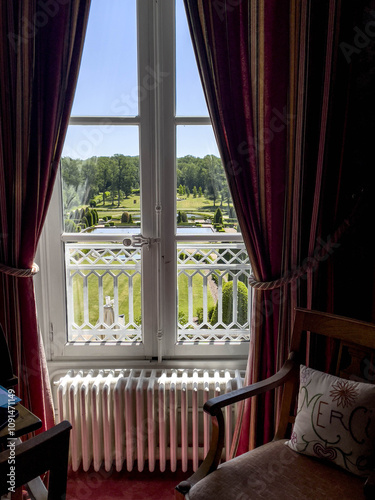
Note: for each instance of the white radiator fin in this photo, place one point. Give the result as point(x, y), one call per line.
point(142, 416)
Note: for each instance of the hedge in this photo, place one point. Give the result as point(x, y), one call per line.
point(228, 304)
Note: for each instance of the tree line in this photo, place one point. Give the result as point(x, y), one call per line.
point(113, 176)
point(117, 177)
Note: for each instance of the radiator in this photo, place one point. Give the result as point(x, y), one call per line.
point(142, 417)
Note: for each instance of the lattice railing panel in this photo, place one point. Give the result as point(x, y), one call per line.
point(214, 298)
point(95, 272)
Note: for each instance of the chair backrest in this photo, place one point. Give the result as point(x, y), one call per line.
point(46, 452)
point(7, 379)
point(356, 347)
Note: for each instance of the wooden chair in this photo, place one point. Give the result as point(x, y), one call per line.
point(274, 471)
point(46, 452)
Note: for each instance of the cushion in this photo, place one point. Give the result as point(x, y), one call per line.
point(335, 421)
point(274, 472)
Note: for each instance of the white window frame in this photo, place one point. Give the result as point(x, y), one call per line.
point(157, 137)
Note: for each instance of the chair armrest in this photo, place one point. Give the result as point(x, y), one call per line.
point(213, 407)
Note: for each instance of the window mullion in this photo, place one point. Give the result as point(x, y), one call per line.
point(147, 82)
point(166, 160)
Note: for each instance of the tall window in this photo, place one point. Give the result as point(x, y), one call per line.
point(152, 261)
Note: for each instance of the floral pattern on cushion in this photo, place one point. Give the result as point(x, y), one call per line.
point(335, 421)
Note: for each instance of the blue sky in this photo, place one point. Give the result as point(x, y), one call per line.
point(108, 85)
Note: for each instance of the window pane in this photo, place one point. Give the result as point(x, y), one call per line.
point(100, 167)
point(107, 83)
point(214, 300)
point(213, 296)
point(189, 92)
point(85, 141)
point(202, 189)
point(103, 282)
point(101, 195)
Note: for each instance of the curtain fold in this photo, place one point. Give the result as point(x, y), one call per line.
point(278, 87)
point(40, 49)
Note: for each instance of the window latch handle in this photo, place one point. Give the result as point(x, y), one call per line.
point(138, 241)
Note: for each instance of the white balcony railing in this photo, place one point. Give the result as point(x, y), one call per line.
point(214, 301)
point(212, 287)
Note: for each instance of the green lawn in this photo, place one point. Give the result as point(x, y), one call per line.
point(199, 205)
point(123, 293)
point(93, 294)
point(183, 295)
point(132, 205)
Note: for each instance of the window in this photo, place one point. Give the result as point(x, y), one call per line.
point(141, 250)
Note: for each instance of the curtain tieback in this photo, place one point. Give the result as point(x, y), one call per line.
point(19, 273)
point(312, 262)
point(284, 280)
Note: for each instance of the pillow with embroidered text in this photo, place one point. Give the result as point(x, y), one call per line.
point(335, 421)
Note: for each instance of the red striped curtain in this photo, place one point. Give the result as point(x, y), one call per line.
point(278, 81)
point(40, 50)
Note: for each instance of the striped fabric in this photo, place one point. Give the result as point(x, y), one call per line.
point(278, 80)
point(40, 50)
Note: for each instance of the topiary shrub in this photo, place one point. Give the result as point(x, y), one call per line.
point(95, 216)
point(92, 203)
point(228, 304)
point(70, 226)
point(218, 217)
point(200, 314)
point(182, 217)
point(125, 217)
point(215, 278)
point(241, 277)
point(88, 217)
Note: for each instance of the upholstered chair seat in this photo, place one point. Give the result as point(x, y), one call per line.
point(256, 476)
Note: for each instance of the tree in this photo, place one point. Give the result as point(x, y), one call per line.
point(195, 192)
point(126, 176)
point(71, 172)
point(232, 213)
point(181, 217)
point(214, 176)
point(104, 174)
point(225, 195)
point(89, 177)
point(218, 216)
